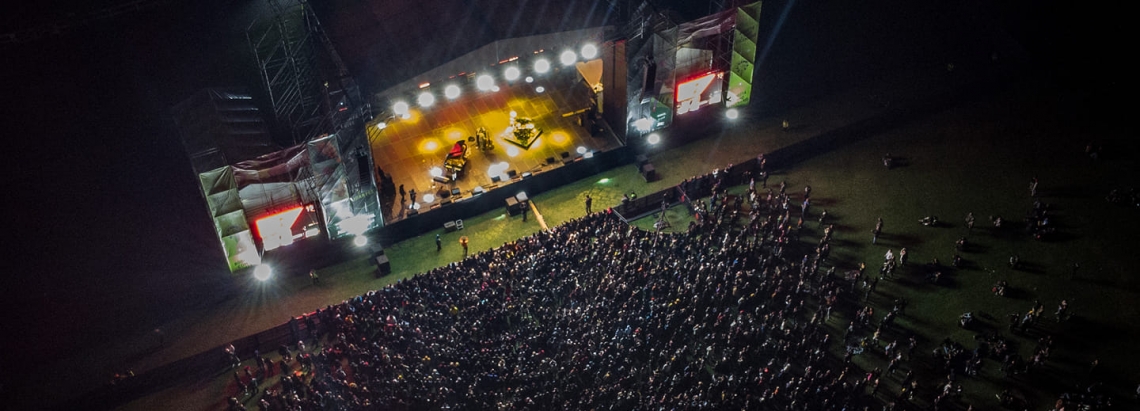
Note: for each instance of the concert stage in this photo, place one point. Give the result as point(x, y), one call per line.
point(408, 148)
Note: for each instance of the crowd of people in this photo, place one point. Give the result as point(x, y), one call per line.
point(598, 314)
point(593, 314)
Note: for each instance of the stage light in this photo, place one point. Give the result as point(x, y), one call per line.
point(406, 116)
point(355, 225)
point(429, 198)
point(541, 66)
point(512, 73)
point(560, 137)
point(401, 109)
point(643, 124)
point(452, 92)
point(262, 272)
point(436, 172)
point(485, 82)
point(381, 125)
point(512, 151)
point(495, 89)
point(653, 138)
point(429, 146)
point(568, 57)
point(425, 99)
point(581, 150)
point(529, 79)
point(360, 241)
point(589, 51)
point(732, 114)
point(539, 89)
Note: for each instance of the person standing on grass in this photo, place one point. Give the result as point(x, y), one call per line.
point(589, 202)
point(438, 243)
point(877, 231)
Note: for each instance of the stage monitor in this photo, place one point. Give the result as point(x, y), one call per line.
point(701, 91)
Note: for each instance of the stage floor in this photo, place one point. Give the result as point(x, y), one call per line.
point(408, 149)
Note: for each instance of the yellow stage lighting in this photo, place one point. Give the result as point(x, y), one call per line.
point(429, 145)
point(560, 138)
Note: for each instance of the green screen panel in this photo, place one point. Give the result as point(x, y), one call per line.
point(747, 32)
point(241, 251)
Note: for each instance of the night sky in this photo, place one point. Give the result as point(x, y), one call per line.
point(102, 213)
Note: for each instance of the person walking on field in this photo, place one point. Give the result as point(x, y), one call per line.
point(878, 229)
point(438, 243)
point(589, 202)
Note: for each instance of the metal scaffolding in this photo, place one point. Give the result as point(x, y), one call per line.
point(303, 76)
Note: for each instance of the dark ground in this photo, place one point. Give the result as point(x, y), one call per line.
point(109, 234)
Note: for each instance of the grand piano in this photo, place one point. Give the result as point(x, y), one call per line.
point(457, 158)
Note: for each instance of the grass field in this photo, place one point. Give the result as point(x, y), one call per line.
point(977, 157)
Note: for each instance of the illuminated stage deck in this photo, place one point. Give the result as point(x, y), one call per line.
point(408, 149)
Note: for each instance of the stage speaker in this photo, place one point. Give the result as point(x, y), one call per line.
point(512, 174)
point(362, 168)
point(478, 190)
point(649, 172)
point(449, 226)
point(383, 266)
point(565, 154)
point(648, 77)
point(441, 179)
point(526, 175)
point(495, 179)
point(550, 160)
point(455, 191)
point(513, 206)
point(445, 201)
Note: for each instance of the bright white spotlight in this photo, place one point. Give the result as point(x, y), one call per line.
point(262, 272)
point(360, 241)
point(643, 124)
point(539, 89)
point(400, 108)
point(512, 151)
point(653, 138)
point(732, 114)
point(568, 57)
point(436, 172)
point(529, 79)
point(581, 150)
point(495, 89)
point(512, 73)
point(541, 66)
point(381, 125)
point(589, 51)
point(429, 198)
point(425, 99)
point(452, 92)
point(485, 82)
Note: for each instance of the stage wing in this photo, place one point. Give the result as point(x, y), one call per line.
point(228, 215)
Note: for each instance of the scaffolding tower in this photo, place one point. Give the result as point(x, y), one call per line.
point(303, 76)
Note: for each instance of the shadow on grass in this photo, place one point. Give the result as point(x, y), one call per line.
point(1070, 191)
point(900, 240)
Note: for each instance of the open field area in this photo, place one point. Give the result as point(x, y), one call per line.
point(976, 157)
point(118, 245)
